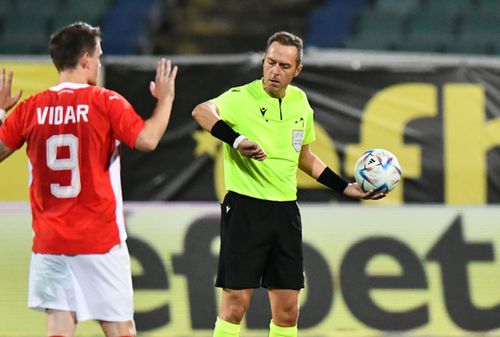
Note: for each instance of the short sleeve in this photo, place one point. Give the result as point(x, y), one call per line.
point(12, 131)
point(310, 134)
point(224, 105)
point(125, 122)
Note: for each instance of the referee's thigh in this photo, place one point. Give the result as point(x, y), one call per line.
point(246, 241)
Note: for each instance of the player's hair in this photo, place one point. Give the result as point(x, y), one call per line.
point(288, 39)
point(69, 43)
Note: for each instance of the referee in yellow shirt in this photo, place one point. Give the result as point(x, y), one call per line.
point(266, 126)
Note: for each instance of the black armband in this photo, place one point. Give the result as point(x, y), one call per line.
point(225, 133)
point(332, 180)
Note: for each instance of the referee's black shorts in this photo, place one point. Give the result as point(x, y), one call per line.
point(261, 244)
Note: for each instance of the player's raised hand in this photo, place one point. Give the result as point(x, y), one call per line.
point(354, 190)
point(164, 83)
point(252, 150)
point(7, 101)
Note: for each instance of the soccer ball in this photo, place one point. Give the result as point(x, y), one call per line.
point(377, 170)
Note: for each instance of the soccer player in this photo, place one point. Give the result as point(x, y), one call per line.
point(80, 265)
point(267, 126)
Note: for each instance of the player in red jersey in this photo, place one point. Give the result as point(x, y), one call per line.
point(80, 266)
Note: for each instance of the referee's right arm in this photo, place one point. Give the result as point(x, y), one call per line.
point(206, 114)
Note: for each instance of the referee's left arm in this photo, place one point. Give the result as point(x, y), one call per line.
point(310, 163)
point(313, 166)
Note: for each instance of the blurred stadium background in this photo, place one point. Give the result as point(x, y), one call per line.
point(224, 26)
point(419, 77)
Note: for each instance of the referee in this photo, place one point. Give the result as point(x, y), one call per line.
point(267, 126)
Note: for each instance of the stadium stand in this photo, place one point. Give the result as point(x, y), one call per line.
point(90, 11)
point(24, 25)
point(27, 24)
point(24, 33)
point(335, 18)
point(401, 8)
point(441, 26)
point(379, 30)
point(228, 26)
point(428, 31)
point(478, 33)
point(126, 26)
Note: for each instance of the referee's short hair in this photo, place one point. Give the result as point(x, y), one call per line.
point(288, 39)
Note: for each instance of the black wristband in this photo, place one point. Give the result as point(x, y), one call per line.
point(224, 132)
point(332, 180)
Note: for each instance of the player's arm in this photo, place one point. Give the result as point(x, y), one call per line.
point(5, 151)
point(207, 115)
point(163, 89)
point(314, 167)
point(7, 101)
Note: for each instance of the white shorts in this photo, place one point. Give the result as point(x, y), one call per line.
point(94, 286)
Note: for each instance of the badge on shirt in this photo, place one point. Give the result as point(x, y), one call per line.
point(297, 139)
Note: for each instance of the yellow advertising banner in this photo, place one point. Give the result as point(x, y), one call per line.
point(31, 78)
point(370, 270)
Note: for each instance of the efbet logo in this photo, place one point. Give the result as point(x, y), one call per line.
point(419, 270)
point(374, 298)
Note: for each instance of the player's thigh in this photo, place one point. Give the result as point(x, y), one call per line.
point(284, 306)
point(117, 329)
point(104, 291)
point(60, 323)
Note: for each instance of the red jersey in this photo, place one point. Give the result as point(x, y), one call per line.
point(73, 132)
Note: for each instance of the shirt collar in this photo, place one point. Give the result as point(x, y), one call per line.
point(68, 85)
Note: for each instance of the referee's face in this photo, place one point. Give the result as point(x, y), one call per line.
point(279, 68)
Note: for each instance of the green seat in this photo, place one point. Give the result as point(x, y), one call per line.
point(34, 8)
point(449, 7)
point(496, 48)
point(479, 29)
point(20, 25)
point(376, 30)
point(489, 6)
point(383, 23)
point(401, 7)
point(89, 11)
point(6, 6)
point(470, 47)
point(372, 41)
point(69, 17)
point(428, 32)
point(87, 6)
point(480, 24)
point(429, 43)
point(24, 34)
point(22, 46)
point(432, 23)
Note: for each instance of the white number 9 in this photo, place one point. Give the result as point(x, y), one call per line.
point(71, 163)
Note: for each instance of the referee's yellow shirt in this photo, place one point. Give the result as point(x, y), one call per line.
point(280, 126)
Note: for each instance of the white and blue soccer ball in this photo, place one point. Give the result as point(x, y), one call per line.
point(378, 170)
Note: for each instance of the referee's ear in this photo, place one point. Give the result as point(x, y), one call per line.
point(298, 70)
